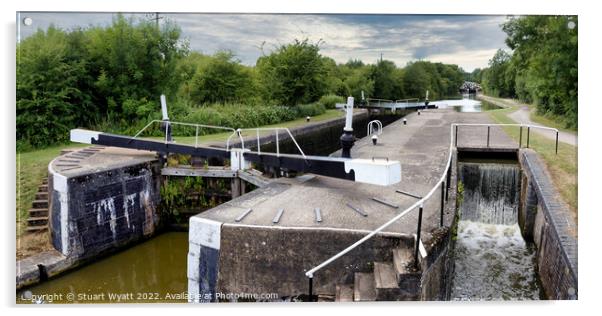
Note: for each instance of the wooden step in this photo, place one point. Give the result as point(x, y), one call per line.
point(38, 212)
point(43, 188)
point(40, 204)
point(325, 298)
point(32, 229)
point(403, 260)
point(41, 196)
point(37, 221)
point(385, 280)
point(363, 287)
point(344, 293)
point(408, 279)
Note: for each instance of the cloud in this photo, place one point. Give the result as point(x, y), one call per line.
point(457, 39)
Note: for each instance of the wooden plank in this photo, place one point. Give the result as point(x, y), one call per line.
point(210, 172)
point(257, 180)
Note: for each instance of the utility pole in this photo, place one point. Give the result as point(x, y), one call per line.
point(156, 18)
point(381, 57)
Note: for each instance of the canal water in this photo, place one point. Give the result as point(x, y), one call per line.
point(492, 261)
point(151, 272)
point(468, 103)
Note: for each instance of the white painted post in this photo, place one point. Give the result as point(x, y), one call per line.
point(349, 117)
point(164, 107)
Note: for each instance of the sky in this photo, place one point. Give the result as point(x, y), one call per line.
point(466, 40)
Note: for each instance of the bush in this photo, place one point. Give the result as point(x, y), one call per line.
point(312, 109)
point(330, 100)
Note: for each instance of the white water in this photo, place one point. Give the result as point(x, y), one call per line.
point(492, 261)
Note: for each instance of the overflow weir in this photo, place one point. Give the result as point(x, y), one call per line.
point(265, 243)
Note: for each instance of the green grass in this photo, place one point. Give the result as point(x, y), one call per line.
point(562, 167)
point(547, 120)
point(32, 167)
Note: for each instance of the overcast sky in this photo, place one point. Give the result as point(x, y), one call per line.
point(468, 41)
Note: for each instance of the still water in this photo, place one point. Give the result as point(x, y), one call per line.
point(492, 261)
point(467, 103)
point(153, 271)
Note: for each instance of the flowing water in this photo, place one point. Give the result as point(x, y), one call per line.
point(153, 271)
point(492, 261)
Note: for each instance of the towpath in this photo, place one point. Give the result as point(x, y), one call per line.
point(523, 116)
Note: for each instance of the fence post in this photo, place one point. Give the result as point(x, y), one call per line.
point(520, 137)
point(556, 142)
point(456, 138)
point(528, 134)
point(442, 203)
point(311, 290)
point(416, 250)
point(448, 183)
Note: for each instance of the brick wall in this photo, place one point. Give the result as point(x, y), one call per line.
point(554, 231)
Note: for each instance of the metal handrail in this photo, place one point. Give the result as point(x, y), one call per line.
point(197, 126)
point(420, 203)
point(407, 100)
point(378, 100)
point(277, 129)
point(379, 127)
point(528, 126)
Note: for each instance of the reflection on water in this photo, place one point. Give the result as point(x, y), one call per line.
point(493, 262)
point(154, 271)
point(467, 103)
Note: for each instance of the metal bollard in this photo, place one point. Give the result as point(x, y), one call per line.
point(405, 122)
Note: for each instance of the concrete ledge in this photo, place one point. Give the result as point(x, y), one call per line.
point(32, 270)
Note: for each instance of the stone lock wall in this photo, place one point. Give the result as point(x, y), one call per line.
point(98, 212)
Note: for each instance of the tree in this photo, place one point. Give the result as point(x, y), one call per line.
point(545, 59)
point(496, 81)
point(49, 101)
point(387, 83)
point(223, 79)
point(293, 74)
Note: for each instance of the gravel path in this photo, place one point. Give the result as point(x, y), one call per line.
point(522, 116)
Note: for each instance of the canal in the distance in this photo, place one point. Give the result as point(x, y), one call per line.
point(153, 271)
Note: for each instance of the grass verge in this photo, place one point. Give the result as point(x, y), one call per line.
point(562, 167)
point(32, 167)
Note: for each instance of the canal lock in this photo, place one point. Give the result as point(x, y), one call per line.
point(492, 259)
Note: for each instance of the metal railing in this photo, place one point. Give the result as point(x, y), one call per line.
point(197, 127)
point(378, 101)
point(443, 183)
point(379, 127)
point(277, 129)
point(520, 137)
point(406, 101)
point(235, 132)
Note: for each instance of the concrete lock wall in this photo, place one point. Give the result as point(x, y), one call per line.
point(98, 212)
point(547, 223)
point(228, 258)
